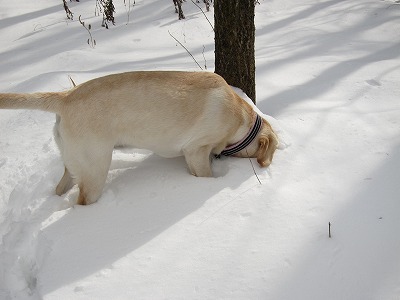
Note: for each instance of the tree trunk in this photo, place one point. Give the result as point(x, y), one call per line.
point(234, 43)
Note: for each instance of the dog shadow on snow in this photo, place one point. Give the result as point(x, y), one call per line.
point(141, 199)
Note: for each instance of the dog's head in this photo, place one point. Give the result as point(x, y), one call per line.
point(263, 147)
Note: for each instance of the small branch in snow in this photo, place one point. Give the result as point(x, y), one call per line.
point(91, 41)
point(73, 82)
point(330, 236)
point(205, 61)
point(254, 170)
point(185, 49)
point(204, 14)
point(129, 9)
point(178, 9)
point(70, 15)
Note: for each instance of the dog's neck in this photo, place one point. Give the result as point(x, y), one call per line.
point(247, 139)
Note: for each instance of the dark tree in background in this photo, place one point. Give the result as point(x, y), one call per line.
point(234, 43)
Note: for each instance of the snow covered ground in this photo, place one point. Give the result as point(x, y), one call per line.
point(328, 72)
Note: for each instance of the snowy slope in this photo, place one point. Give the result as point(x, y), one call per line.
point(327, 72)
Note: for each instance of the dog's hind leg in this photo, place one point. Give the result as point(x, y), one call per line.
point(199, 161)
point(91, 174)
point(65, 184)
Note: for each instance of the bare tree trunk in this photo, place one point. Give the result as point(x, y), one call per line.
point(234, 43)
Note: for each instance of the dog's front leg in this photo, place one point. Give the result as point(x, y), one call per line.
point(65, 184)
point(198, 161)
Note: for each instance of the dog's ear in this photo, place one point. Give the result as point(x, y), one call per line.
point(262, 151)
point(266, 149)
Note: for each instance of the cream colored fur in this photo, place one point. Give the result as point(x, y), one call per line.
point(195, 114)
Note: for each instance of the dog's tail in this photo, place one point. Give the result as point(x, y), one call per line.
point(51, 102)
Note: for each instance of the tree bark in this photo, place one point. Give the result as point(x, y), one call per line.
point(234, 43)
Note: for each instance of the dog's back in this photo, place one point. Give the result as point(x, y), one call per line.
point(160, 111)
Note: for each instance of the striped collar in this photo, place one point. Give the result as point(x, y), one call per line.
point(243, 143)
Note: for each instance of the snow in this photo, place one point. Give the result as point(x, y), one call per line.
point(327, 75)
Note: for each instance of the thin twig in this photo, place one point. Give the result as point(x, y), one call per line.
point(129, 9)
point(254, 170)
point(70, 15)
point(203, 14)
point(330, 236)
point(205, 61)
point(91, 41)
point(185, 49)
point(73, 82)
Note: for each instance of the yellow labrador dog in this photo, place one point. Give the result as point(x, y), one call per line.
point(195, 114)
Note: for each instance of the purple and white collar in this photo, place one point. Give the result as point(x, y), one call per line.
point(243, 143)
